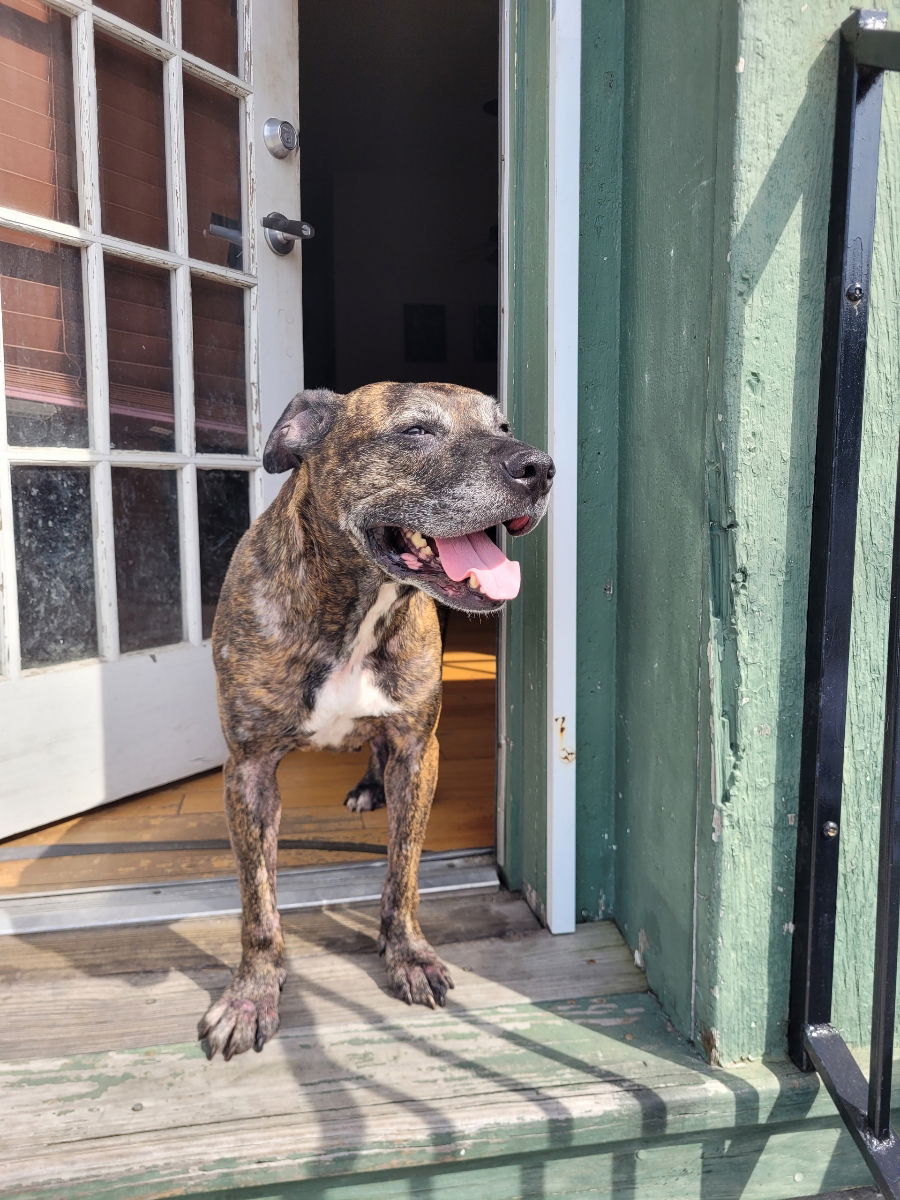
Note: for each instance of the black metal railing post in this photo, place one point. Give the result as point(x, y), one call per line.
point(887, 919)
point(851, 231)
point(867, 50)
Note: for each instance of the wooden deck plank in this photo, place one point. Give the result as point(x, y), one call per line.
point(191, 944)
point(515, 1088)
point(512, 1079)
point(140, 1008)
point(99, 1061)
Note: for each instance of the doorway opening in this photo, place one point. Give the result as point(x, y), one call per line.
point(399, 175)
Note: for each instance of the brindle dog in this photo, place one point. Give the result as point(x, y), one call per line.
point(327, 635)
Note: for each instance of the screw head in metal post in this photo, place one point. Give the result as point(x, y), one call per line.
point(854, 293)
point(830, 829)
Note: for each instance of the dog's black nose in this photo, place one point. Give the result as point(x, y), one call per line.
point(531, 467)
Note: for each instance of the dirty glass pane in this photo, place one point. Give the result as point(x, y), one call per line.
point(144, 13)
point(43, 341)
point(220, 385)
point(223, 502)
point(139, 350)
point(38, 170)
point(209, 30)
point(148, 571)
point(132, 144)
point(213, 158)
point(54, 564)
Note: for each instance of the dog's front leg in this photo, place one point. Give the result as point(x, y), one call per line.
point(415, 973)
point(247, 1012)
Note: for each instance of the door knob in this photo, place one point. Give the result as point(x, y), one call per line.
point(281, 232)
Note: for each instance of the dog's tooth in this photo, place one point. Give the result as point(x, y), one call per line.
point(417, 540)
point(474, 584)
point(426, 552)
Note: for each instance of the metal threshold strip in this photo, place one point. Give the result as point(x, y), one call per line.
point(456, 871)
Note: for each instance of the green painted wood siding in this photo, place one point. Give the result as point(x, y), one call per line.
point(728, 128)
point(785, 68)
point(696, 589)
point(672, 281)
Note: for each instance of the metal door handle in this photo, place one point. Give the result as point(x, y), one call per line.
point(281, 232)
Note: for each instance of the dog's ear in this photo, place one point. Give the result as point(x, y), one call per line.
point(301, 426)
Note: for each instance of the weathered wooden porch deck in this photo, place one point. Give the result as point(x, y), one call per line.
point(552, 1072)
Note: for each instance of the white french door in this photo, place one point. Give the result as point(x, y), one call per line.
point(150, 338)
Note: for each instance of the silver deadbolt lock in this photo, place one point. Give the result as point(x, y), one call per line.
point(280, 137)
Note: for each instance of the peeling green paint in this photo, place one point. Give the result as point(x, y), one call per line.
point(724, 224)
point(764, 445)
point(674, 195)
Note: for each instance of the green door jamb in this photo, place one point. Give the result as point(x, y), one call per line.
point(525, 732)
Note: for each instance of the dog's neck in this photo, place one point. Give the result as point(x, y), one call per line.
point(331, 578)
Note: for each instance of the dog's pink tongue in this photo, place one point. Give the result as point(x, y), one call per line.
point(475, 554)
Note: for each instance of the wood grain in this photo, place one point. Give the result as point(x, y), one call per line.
point(313, 786)
point(99, 1062)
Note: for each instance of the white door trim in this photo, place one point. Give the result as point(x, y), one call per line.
point(564, 84)
point(505, 114)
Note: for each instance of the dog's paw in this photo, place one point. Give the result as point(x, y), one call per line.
point(244, 1017)
point(365, 796)
point(416, 975)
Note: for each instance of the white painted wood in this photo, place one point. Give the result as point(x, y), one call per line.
point(73, 456)
point(71, 235)
point(189, 525)
point(276, 188)
point(87, 155)
point(505, 76)
point(9, 602)
point(98, 426)
point(81, 734)
point(562, 315)
point(104, 562)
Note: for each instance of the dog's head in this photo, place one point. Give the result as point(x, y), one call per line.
point(416, 474)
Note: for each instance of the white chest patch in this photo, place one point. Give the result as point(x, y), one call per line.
point(351, 692)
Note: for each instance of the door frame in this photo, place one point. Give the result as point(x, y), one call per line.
point(540, 78)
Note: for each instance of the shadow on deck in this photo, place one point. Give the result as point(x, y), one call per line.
point(552, 1072)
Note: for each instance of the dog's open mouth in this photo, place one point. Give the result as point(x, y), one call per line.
point(470, 569)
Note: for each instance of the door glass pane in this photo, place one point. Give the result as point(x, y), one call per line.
point(148, 572)
point(43, 341)
point(145, 13)
point(37, 113)
point(139, 350)
point(223, 502)
point(220, 388)
point(54, 564)
point(209, 30)
point(132, 143)
point(213, 157)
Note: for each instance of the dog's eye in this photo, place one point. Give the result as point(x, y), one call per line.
point(416, 431)
point(504, 428)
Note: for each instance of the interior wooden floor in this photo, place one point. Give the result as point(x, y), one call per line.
point(190, 818)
